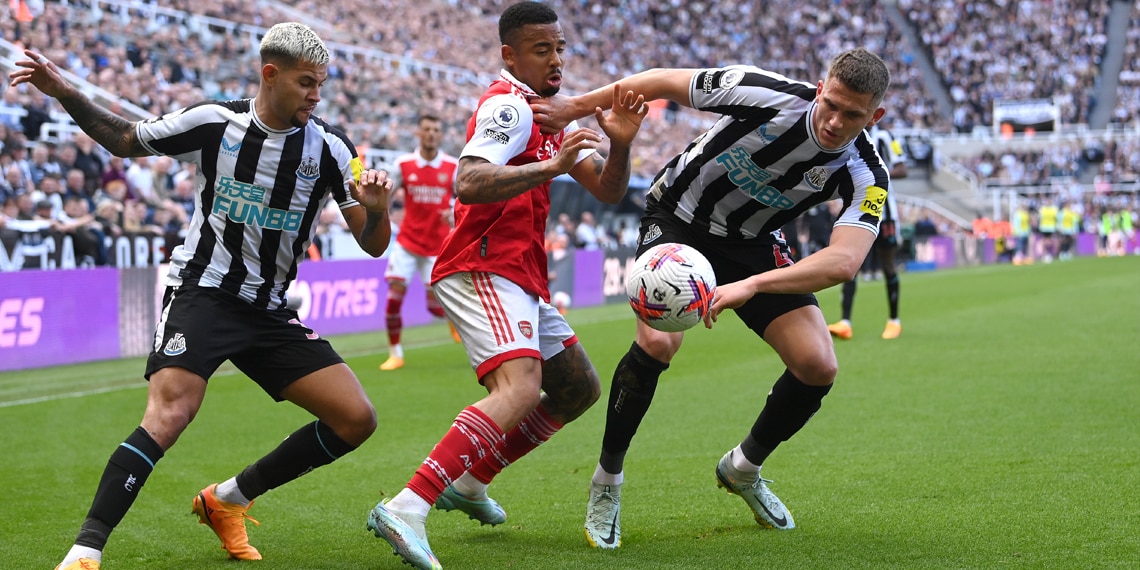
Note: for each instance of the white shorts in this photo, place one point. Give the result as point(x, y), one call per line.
point(403, 264)
point(498, 321)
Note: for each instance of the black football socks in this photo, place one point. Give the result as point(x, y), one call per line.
point(312, 446)
point(631, 392)
point(791, 403)
point(127, 469)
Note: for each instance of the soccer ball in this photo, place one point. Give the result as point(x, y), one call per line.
point(561, 301)
point(671, 287)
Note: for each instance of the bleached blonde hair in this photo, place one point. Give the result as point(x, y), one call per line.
point(295, 42)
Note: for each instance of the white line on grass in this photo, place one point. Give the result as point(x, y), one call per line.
point(228, 370)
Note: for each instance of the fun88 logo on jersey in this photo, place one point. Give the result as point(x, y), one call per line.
point(751, 179)
point(243, 203)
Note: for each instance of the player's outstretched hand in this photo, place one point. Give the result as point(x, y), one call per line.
point(40, 72)
point(727, 296)
point(373, 190)
point(624, 120)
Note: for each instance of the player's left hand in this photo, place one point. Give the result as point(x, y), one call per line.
point(373, 190)
point(727, 296)
point(624, 119)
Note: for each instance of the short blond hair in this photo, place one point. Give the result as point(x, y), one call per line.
point(295, 42)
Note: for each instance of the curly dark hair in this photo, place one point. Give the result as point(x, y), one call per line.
point(523, 14)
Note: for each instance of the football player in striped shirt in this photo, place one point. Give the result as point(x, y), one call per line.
point(779, 148)
point(266, 168)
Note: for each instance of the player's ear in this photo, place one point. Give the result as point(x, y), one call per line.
point(269, 73)
point(876, 116)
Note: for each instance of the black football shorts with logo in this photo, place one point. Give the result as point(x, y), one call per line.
point(202, 327)
point(732, 260)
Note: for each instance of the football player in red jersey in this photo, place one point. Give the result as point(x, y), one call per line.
point(491, 277)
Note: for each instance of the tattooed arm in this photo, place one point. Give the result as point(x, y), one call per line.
point(608, 178)
point(479, 181)
point(115, 133)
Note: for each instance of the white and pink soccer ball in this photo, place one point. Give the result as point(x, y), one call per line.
point(671, 287)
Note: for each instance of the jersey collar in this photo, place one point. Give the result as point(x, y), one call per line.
point(434, 163)
point(268, 130)
point(523, 87)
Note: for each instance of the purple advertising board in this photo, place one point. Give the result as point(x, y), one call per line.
point(338, 297)
point(58, 317)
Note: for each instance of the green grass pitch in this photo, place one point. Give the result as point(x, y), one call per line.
point(1000, 431)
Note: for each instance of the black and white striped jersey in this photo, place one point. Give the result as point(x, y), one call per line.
point(259, 193)
point(760, 165)
point(891, 151)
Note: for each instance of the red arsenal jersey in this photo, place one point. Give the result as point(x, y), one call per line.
point(428, 189)
point(505, 238)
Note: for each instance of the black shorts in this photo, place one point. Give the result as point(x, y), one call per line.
point(732, 260)
point(202, 327)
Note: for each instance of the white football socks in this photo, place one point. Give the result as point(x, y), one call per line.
point(602, 477)
point(228, 491)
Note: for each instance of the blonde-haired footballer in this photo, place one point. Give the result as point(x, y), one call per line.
point(266, 167)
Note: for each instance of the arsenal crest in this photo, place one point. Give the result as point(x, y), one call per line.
point(526, 329)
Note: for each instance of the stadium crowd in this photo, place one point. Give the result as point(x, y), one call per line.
point(397, 60)
point(995, 49)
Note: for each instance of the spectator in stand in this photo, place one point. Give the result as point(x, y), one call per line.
point(108, 213)
point(86, 233)
point(116, 170)
point(50, 189)
point(12, 111)
point(586, 233)
point(89, 160)
point(9, 210)
point(41, 164)
point(75, 185)
point(20, 160)
point(64, 156)
point(7, 190)
point(140, 178)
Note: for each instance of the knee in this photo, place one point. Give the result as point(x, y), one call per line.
point(364, 423)
point(165, 424)
point(660, 346)
point(355, 426)
point(820, 371)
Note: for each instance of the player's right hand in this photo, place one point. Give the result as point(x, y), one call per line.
point(373, 190)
